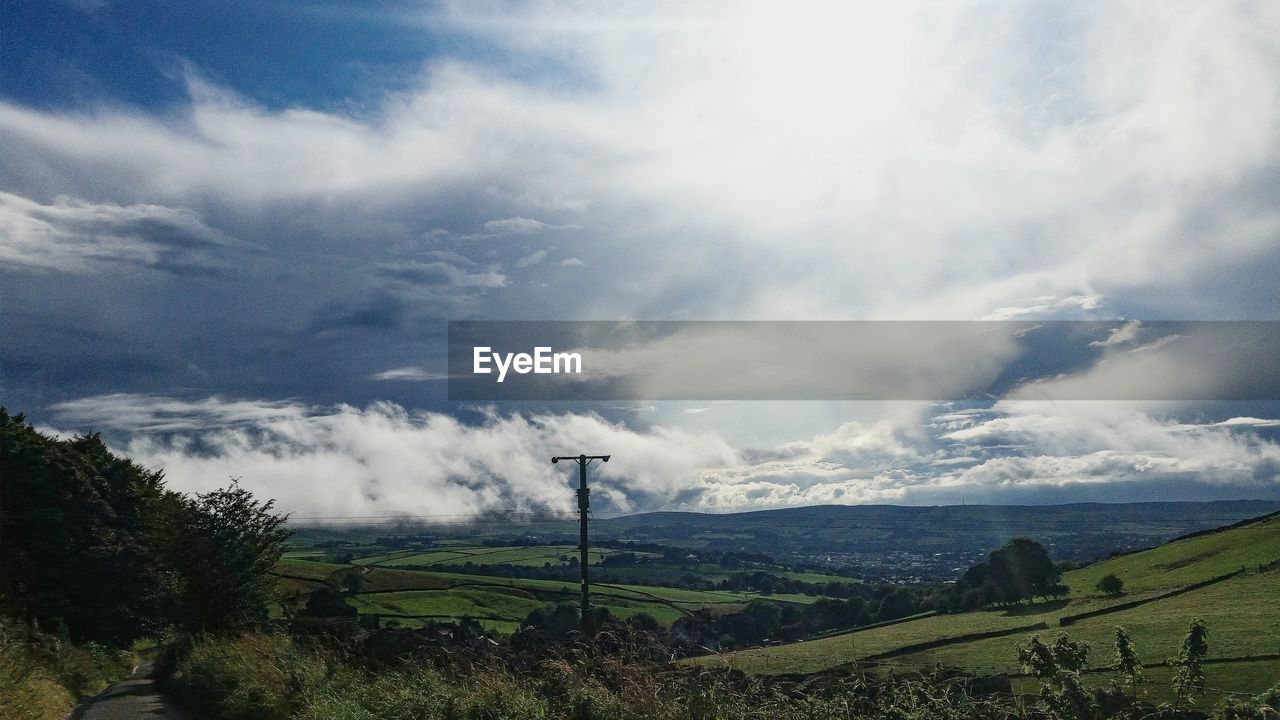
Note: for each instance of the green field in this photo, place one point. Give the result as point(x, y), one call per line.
point(1241, 612)
point(816, 655)
point(412, 597)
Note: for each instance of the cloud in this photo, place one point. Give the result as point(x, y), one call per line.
point(441, 274)
point(1043, 308)
point(347, 461)
point(410, 373)
point(1248, 422)
point(159, 414)
point(80, 237)
point(516, 226)
point(1122, 335)
point(1012, 160)
point(343, 460)
point(993, 164)
point(381, 312)
point(532, 259)
point(1111, 443)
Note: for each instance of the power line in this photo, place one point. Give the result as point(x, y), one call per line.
point(584, 507)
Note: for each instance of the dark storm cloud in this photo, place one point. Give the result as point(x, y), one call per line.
point(383, 312)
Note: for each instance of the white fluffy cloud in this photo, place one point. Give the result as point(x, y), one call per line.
point(381, 460)
point(1064, 443)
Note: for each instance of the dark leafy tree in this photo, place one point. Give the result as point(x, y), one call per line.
point(225, 543)
point(1111, 586)
point(326, 603)
point(1021, 570)
point(75, 528)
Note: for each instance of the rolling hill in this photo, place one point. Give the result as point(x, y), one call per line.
point(1229, 577)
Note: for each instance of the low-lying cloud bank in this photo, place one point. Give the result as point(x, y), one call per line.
point(348, 462)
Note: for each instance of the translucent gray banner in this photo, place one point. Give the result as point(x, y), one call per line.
point(864, 360)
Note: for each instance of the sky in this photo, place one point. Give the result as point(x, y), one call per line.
point(232, 236)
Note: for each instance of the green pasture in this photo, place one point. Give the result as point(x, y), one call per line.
point(1185, 562)
point(1243, 609)
point(1242, 614)
point(393, 591)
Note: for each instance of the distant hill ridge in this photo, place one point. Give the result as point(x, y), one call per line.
point(832, 511)
point(945, 538)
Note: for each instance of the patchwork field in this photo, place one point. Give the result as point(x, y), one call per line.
point(412, 597)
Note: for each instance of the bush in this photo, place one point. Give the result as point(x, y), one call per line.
point(1111, 586)
point(43, 677)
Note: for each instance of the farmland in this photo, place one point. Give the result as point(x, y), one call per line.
point(411, 597)
point(1227, 577)
point(1241, 613)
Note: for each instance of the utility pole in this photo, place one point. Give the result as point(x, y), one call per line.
point(584, 505)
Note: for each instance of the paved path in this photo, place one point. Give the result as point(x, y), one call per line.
point(134, 699)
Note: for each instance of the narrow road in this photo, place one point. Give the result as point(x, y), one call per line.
point(134, 699)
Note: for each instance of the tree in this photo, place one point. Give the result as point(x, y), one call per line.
point(327, 603)
point(898, 603)
point(225, 543)
point(1058, 666)
point(1188, 681)
point(1127, 664)
point(1021, 570)
point(77, 555)
point(1111, 586)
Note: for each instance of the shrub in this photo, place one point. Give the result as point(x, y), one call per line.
point(42, 677)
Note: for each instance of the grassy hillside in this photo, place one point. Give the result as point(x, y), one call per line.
point(1241, 612)
point(1187, 561)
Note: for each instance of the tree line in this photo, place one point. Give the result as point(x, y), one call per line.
point(97, 548)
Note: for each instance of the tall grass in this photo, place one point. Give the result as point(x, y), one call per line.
point(42, 677)
point(273, 677)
